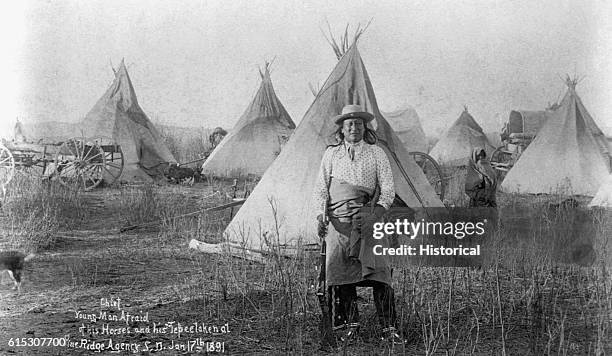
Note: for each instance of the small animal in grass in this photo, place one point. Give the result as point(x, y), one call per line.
point(13, 262)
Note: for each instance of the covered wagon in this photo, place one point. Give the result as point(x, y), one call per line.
point(517, 133)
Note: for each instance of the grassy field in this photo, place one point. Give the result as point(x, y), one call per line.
point(545, 290)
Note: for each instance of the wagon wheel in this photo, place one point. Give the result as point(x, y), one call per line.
point(113, 159)
point(7, 166)
point(432, 171)
point(502, 161)
point(79, 164)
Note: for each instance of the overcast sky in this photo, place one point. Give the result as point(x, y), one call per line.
point(195, 63)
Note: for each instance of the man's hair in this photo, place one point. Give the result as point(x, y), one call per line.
point(369, 136)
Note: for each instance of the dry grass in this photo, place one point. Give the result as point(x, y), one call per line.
point(545, 287)
point(533, 296)
point(35, 210)
point(167, 205)
point(186, 144)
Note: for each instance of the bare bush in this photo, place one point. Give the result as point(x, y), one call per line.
point(35, 210)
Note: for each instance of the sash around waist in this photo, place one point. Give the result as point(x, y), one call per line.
point(345, 199)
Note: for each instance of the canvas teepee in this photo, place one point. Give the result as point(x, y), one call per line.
point(287, 186)
point(407, 125)
point(603, 197)
point(256, 140)
point(117, 115)
point(456, 144)
point(494, 138)
point(570, 153)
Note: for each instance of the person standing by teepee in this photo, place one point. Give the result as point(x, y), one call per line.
point(353, 190)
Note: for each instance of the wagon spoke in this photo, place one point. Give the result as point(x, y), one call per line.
point(86, 170)
point(96, 164)
point(80, 148)
point(83, 145)
point(67, 169)
point(89, 172)
point(73, 148)
point(92, 157)
point(73, 152)
point(102, 161)
point(74, 145)
point(111, 167)
point(92, 178)
point(91, 168)
point(93, 184)
point(65, 166)
point(91, 147)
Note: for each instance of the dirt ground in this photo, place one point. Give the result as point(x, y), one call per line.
point(95, 271)
point(95, 261)
point(164, 283)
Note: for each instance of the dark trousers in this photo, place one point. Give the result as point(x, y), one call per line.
point(343, 303)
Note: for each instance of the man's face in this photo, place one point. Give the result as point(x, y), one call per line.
point(353, 130)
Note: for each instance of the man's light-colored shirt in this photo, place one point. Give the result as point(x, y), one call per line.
point(369, 165)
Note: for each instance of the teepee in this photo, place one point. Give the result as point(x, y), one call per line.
point(570, 154)
point(456, 144)
point(603, 197)
point(118, 116)
point(406, 123)
point(280, 210)
point(256, 140)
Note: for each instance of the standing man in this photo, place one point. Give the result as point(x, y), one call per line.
point(353, 190)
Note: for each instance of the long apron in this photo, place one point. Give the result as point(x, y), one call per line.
point(345, 201)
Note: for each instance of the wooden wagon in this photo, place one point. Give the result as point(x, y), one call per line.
point(77, 162)
point(518, 132)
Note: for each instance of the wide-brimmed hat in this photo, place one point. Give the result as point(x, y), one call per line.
point(353, 112)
